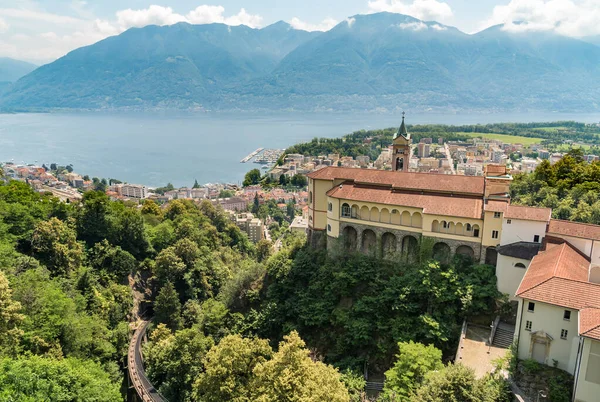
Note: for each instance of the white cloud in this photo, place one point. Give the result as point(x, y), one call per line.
point(423, 9)
point(153, 15)
point(350, 21)
point(52, 35)
point(413, 26)
point(568, 17)
point(34, 15)
point(420, 26)
point(4, 26)
point(324, 25)
point(205, 14)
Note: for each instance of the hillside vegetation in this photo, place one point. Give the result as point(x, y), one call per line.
point(232, 319)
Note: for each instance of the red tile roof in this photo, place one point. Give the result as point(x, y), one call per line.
point(466, 207)
point(495, 206)
point(559, 276)
point(404, 180)
point(589, 323)
point(528, 213)
point(560, 261)
point(574, 229)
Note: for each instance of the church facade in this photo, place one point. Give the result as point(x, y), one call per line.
point(549, 268)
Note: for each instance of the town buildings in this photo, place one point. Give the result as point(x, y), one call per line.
point(250, 225)
point(132, 190)
point(549, 268)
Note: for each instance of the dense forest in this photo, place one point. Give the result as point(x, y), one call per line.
point(371, 142)
point(571, 187)
point(232, 320)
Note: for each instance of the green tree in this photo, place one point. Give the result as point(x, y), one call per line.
point(55, 244)
point(252, 178)
point(93, 221)
point(263, 250)
point(129, 232)
point(151, 208)
point(413, 361)
point(299, 180)
point(228, 369)
point(167, 308)
point(10, 319)
point(36, 378)
point(291, 375)
point(457, 383)
point(196, 184)
point(111, 259)
point(175, 361)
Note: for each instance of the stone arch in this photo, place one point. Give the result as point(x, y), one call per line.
point(417, 220)
point(350, 238)
point(395, 217)
point(452, 228)
point(410, 247)
point(435, 226)
point(374, 216)
point(466, 251)
point(388, 245)
point(441, 252)
point(384, 216)
point(491, 256)
point(406, 218)
point(369, 241)
point(354, 211)
point(364, 213)
point(346, 210)
point(459, 229)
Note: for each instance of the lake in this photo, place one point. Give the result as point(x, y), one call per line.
point(157, 148)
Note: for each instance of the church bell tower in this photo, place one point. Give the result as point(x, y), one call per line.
point(401, 149)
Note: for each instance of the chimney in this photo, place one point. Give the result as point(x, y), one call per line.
point(594, 273)
point(497, 182)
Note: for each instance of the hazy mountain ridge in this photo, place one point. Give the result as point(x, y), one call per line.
point(379, 61)
point(11, 70)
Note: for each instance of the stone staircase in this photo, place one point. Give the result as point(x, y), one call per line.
point(504, 336)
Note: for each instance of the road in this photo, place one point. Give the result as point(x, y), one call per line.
point(449, 156)
point(135, 366)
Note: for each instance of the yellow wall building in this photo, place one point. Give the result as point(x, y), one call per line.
point(386, 213)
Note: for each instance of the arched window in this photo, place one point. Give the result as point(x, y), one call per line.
point(469, 227)
point(520, 265)
point(346, 212)
point(330, 207)
point(329, 228)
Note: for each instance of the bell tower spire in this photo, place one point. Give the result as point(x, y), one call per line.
point(401, 148)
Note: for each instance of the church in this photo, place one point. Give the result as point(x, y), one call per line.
point(550, 268)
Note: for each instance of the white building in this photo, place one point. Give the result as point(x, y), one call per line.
point(133, 191)
point(558, 320)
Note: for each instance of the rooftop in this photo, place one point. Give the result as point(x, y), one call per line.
point(522, 249)
point(528, 213)
point(574, 229)
point(465, 207)
point(559, 276)
point(404, 180)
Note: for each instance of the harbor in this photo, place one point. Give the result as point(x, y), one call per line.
point(252, 155)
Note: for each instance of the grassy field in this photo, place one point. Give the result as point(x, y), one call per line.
point(550, 129)
point(509, 139)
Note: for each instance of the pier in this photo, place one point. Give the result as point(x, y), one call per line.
point(252, 155)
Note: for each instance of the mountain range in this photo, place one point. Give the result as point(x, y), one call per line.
point(370, 62)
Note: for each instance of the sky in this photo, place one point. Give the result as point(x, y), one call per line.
point(41, 31)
